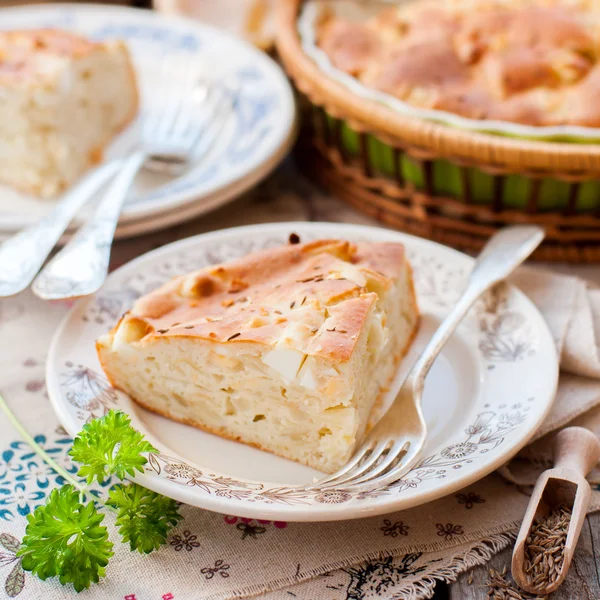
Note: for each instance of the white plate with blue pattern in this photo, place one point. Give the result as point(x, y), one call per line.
point(256, 137)
point(485, 397)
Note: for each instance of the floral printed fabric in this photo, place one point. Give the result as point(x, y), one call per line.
point(213, 556)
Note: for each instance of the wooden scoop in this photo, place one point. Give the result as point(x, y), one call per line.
point(576, 453)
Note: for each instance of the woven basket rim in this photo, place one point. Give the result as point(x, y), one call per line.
point(444, 141)
point(427, 216)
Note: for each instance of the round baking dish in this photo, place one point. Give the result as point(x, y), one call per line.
point(441, 181)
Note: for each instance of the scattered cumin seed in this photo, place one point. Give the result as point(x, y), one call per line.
point(303, 301)
point(175, 324)
point(232, 337)
point(305, 280)
point(314, 330)
point(501, 587)
point(332, 329)
point(189, 327)
point(277, 312)
point(162, 330)
point(294, 238)
point(292, 304)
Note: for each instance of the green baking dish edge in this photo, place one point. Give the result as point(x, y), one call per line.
point(447, 180)
point(381, 155)
point(589, 195)
point(554, 195)
point(482, 186)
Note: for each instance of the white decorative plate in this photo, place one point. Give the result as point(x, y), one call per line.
point(256, 137)
point(484, 398)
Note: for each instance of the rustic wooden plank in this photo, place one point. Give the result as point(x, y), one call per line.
point(472, 584)
point(587, 560)
point(582, 583)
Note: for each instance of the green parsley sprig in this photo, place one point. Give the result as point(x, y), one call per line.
point(144, 517)
point(110, 446)
point(65, 538)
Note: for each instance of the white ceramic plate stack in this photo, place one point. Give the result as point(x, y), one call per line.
point(256, 137)
point(485, 397)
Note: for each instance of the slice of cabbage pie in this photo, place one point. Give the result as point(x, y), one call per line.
point(63, 98)
point(288, 349)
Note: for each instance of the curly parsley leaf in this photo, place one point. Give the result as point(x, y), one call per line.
point(64, 539)
point(110, 446)
point(144, 518)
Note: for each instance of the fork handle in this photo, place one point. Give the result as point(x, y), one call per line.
point(22, 255)
point(80, 268)
point(503, 253)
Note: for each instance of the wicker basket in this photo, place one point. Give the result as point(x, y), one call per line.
point(448, 184)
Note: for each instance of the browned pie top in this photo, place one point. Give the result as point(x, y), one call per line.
point(535, 62)
point(310, 297)
point(31, 54)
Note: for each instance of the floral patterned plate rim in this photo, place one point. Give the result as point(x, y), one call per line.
point(485, 397)
point(255, 138)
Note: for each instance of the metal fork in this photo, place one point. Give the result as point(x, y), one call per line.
point(185, 125)
point(395, 443)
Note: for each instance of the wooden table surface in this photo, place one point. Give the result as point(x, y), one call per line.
point(287, 196)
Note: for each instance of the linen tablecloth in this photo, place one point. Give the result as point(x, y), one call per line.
point(213, 556)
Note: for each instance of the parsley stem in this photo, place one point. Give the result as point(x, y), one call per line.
point(38, 449)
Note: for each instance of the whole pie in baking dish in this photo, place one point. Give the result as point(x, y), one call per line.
point(535, 62)
point(63, 98)
point(287, 349)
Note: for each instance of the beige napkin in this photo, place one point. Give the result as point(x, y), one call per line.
point(572, 311)
point(217, 557)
